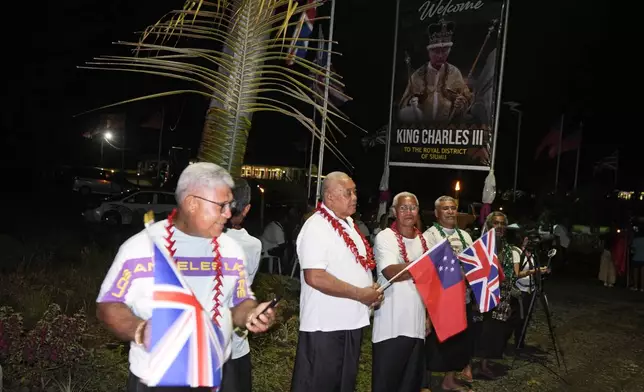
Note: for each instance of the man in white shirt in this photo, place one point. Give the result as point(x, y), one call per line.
point(211, 262)
point(237, 371)
point(337, 292)
point(400, 324)
point(454, 354)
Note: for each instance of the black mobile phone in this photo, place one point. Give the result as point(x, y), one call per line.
point(272, 304)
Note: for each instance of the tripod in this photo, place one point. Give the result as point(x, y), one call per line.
point(540, 293)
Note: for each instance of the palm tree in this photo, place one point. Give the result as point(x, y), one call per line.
point(234, 53)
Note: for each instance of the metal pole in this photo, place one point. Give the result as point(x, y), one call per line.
point(516, 158)
point(581, 133)
point(308, 192)
point(559, 153)
point(160, 143)
point(325, 104)
point(102, 141)
point(393, 82)
point(497, 111)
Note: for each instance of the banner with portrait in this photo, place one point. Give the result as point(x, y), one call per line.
point(445, 83)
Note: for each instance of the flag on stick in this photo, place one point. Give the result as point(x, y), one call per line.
point(439, 281)
point(482, 271)
point(186, 348)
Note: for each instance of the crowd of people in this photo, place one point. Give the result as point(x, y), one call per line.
point(341, 274)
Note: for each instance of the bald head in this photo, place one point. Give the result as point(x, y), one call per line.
point(339, 194)
point(331, 180)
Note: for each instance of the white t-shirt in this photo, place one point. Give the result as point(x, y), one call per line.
point(252, 248)
point(319, 246)
point(130, 280)
point(402, 313)
point(433, 237)
point(523, 284)
point(273, 236)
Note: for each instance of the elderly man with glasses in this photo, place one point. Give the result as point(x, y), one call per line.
point(212, 263)
point(400, 324)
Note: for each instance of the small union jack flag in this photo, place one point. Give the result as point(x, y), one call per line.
point(186, 348)
point(482, 271)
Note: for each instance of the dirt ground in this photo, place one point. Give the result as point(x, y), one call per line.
point(601, 333)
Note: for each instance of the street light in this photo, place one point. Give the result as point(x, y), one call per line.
point(261, 208)
point(108, 135)
point(513, 108)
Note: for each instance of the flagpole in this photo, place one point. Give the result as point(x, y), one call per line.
point(497, 111)
point(581, 134)
point(308, 192)
point(391, 93)
point(559, 153)
point(325, 106)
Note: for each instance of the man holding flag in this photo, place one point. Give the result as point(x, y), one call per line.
point(211, 264)
point(400, 324)
point(454, 354)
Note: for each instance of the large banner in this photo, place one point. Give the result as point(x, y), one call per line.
point(445, 83)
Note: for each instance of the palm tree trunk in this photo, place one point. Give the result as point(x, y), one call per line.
point(228, 120)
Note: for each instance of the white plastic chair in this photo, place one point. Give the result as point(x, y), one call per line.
point(271, 259)
point(296, 261)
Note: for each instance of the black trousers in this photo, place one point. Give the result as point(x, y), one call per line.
point(135, 385)
point(398, 365)
point(327, 361)
point(237, 375)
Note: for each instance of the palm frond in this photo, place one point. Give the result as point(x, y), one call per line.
point(234, 52)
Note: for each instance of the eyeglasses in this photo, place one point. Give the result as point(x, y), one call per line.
point(408, 208)
point(230, 205)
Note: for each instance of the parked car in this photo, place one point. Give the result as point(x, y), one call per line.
point(89, 181)
point(123, 209)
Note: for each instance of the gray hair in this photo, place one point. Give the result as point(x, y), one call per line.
point(443, 199)
point(201, 175)
point(397, 198)
point(488, 221)
point(330, 179)
point(241, 195)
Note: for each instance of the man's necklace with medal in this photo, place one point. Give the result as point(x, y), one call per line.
point(170, 246)
point(401, 244)
point(367, 262)
point(460, 236)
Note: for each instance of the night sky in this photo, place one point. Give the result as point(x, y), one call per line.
point(556, 61)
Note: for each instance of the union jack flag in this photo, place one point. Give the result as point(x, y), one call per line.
point(482, 271)
point(186, 348)
point(301, 33)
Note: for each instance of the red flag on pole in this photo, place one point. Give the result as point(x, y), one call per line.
point(439, 281)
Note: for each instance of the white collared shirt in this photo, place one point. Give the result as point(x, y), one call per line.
point(319, 246)
point(402, 313)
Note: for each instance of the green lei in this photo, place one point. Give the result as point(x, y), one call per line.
point(460, 235)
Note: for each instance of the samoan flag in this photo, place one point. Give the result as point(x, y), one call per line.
point(482, 271)
point(301, 34)
point(186, 348)
point(439, 281)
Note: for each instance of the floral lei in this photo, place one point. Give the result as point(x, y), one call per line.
point(367, 262)
point(216, 260)
point(401, 245)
